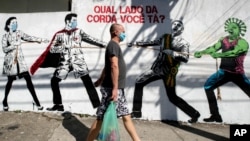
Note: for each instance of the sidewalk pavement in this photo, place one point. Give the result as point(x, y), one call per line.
point(55, 126)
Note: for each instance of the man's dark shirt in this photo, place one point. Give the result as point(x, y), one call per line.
point(113, 49)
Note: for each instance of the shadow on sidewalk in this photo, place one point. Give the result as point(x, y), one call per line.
point(75, 127)
point(199, 132)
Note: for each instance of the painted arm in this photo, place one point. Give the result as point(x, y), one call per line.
point(148, 43)
point(145, 43)
point(180, 55)
point(91, 40)
point(210, 50)
point(241, 47)
point(29, 38)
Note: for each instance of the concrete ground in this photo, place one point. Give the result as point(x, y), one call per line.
point(55, 126)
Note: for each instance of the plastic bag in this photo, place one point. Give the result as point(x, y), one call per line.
point(109, 130)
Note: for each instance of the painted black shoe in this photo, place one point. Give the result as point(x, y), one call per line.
point(136, 114)
point(195, 118)
point(5, 108)
point(213, 118)
point(56, 107)
point(39, 108)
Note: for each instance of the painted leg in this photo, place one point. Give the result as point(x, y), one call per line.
point(7, 91)
point(215, 115)
point(93, 95)
point(57, 98)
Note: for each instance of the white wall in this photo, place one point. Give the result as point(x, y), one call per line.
point(203, 26)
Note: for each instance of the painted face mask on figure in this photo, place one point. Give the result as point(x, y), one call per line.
point(13, 25)
point(73, 23)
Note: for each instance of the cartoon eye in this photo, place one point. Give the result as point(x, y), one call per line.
point(179, 25)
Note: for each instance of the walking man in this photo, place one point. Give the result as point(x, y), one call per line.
point(112, 80)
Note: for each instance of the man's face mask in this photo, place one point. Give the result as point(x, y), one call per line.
point(122, 36)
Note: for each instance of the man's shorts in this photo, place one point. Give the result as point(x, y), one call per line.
point(121, 103)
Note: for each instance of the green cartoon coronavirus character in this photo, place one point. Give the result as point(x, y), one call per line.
point(232, 50)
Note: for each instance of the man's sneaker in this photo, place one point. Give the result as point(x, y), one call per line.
point(212, 118)
point(56, 107)
point(195, 118)
point(136, 114)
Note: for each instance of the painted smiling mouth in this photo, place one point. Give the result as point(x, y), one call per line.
point(175, 29)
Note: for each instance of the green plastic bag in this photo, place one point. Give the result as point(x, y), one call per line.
point(109, 130)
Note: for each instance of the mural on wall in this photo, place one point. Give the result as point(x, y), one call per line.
point(65, 47)
point(14, 65)
point(173, 50)
point(233, 50)
point(146, 23)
